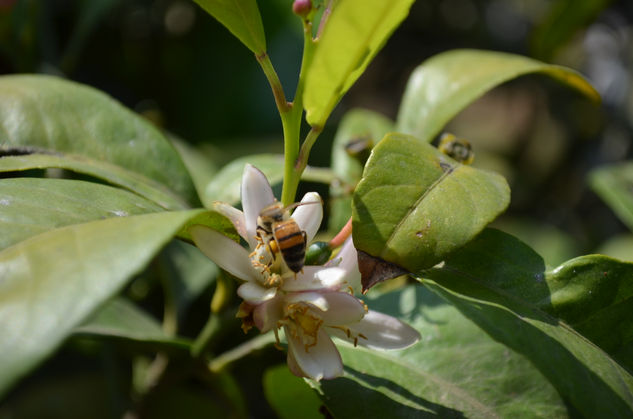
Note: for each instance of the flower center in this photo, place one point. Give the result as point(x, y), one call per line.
point(302, 323)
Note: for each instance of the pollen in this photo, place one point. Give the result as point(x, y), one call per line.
point(303, 324)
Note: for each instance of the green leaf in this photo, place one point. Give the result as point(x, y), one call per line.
point(53, 281)
point(200, 167)
point(614, 184)
point(446, 83)
point(594, 295)
point(554, 245)
point(186, 272)
point(359, 127)
point(30, 206)
point(355, 32)
point(110, 173)
point(69, 394)
point(416, 205)
point(50, 115)
point(121, 320)
point(289, 395)
point(226, 185)
point(455, 371)
point(242, 18)
point(501, 284)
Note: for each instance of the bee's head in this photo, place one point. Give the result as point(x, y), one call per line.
point(273, 213)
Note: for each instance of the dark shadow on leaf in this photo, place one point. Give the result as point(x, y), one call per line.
point(574, 378)
point(367, 401)
point(498, 267)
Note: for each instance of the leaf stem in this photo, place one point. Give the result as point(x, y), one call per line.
point(204, 339)
point(324, 18)
point(259, 342)
point(291, 121)
point(275, 84)
point(304, 153)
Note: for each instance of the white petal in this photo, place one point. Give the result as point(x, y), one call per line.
point(227, 254)
point(255, 294)
point(309, 216)
point(293, 366)
point(267, 314)
point(343, 309)
point(347, 259)
point(321, 361)
point(234, 215)
point(383, 332)
point(314, 298)
point(256, 194)
point(316, 277)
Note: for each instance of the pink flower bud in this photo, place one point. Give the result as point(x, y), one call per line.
point(302, 7)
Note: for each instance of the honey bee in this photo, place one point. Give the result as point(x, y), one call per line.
point(281, 233)
point(456, 148)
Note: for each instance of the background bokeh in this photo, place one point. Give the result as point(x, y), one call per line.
point(174, 64)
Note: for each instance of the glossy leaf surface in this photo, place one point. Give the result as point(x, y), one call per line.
point(30, 206)
point(110, 173)
point(614, 184)
point(49, 115)
point(415, 205)
point(501, 284)
point(355, 32)
point(446, 83)
point(456, 370)
point(53, 281)
point(242, 18)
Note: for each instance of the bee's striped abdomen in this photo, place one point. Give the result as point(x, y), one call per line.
point(292, 244)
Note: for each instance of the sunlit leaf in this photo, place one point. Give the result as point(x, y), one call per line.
point(110, 173)
point(456, 370)
point(30, 206)
point(446, 83)
point(358, 132)
point(49, 115)
point(501, 284)
point(53, 281)
point(289, 395)
point(355, 32)
point(614, 184)
point(242, 18)
point(121, 320)
point(415, 205)
point(594, 295)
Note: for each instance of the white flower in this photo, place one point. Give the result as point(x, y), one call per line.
point(310, 305)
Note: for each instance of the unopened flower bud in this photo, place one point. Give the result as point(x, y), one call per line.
point(302, 7)
point(318, 253)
